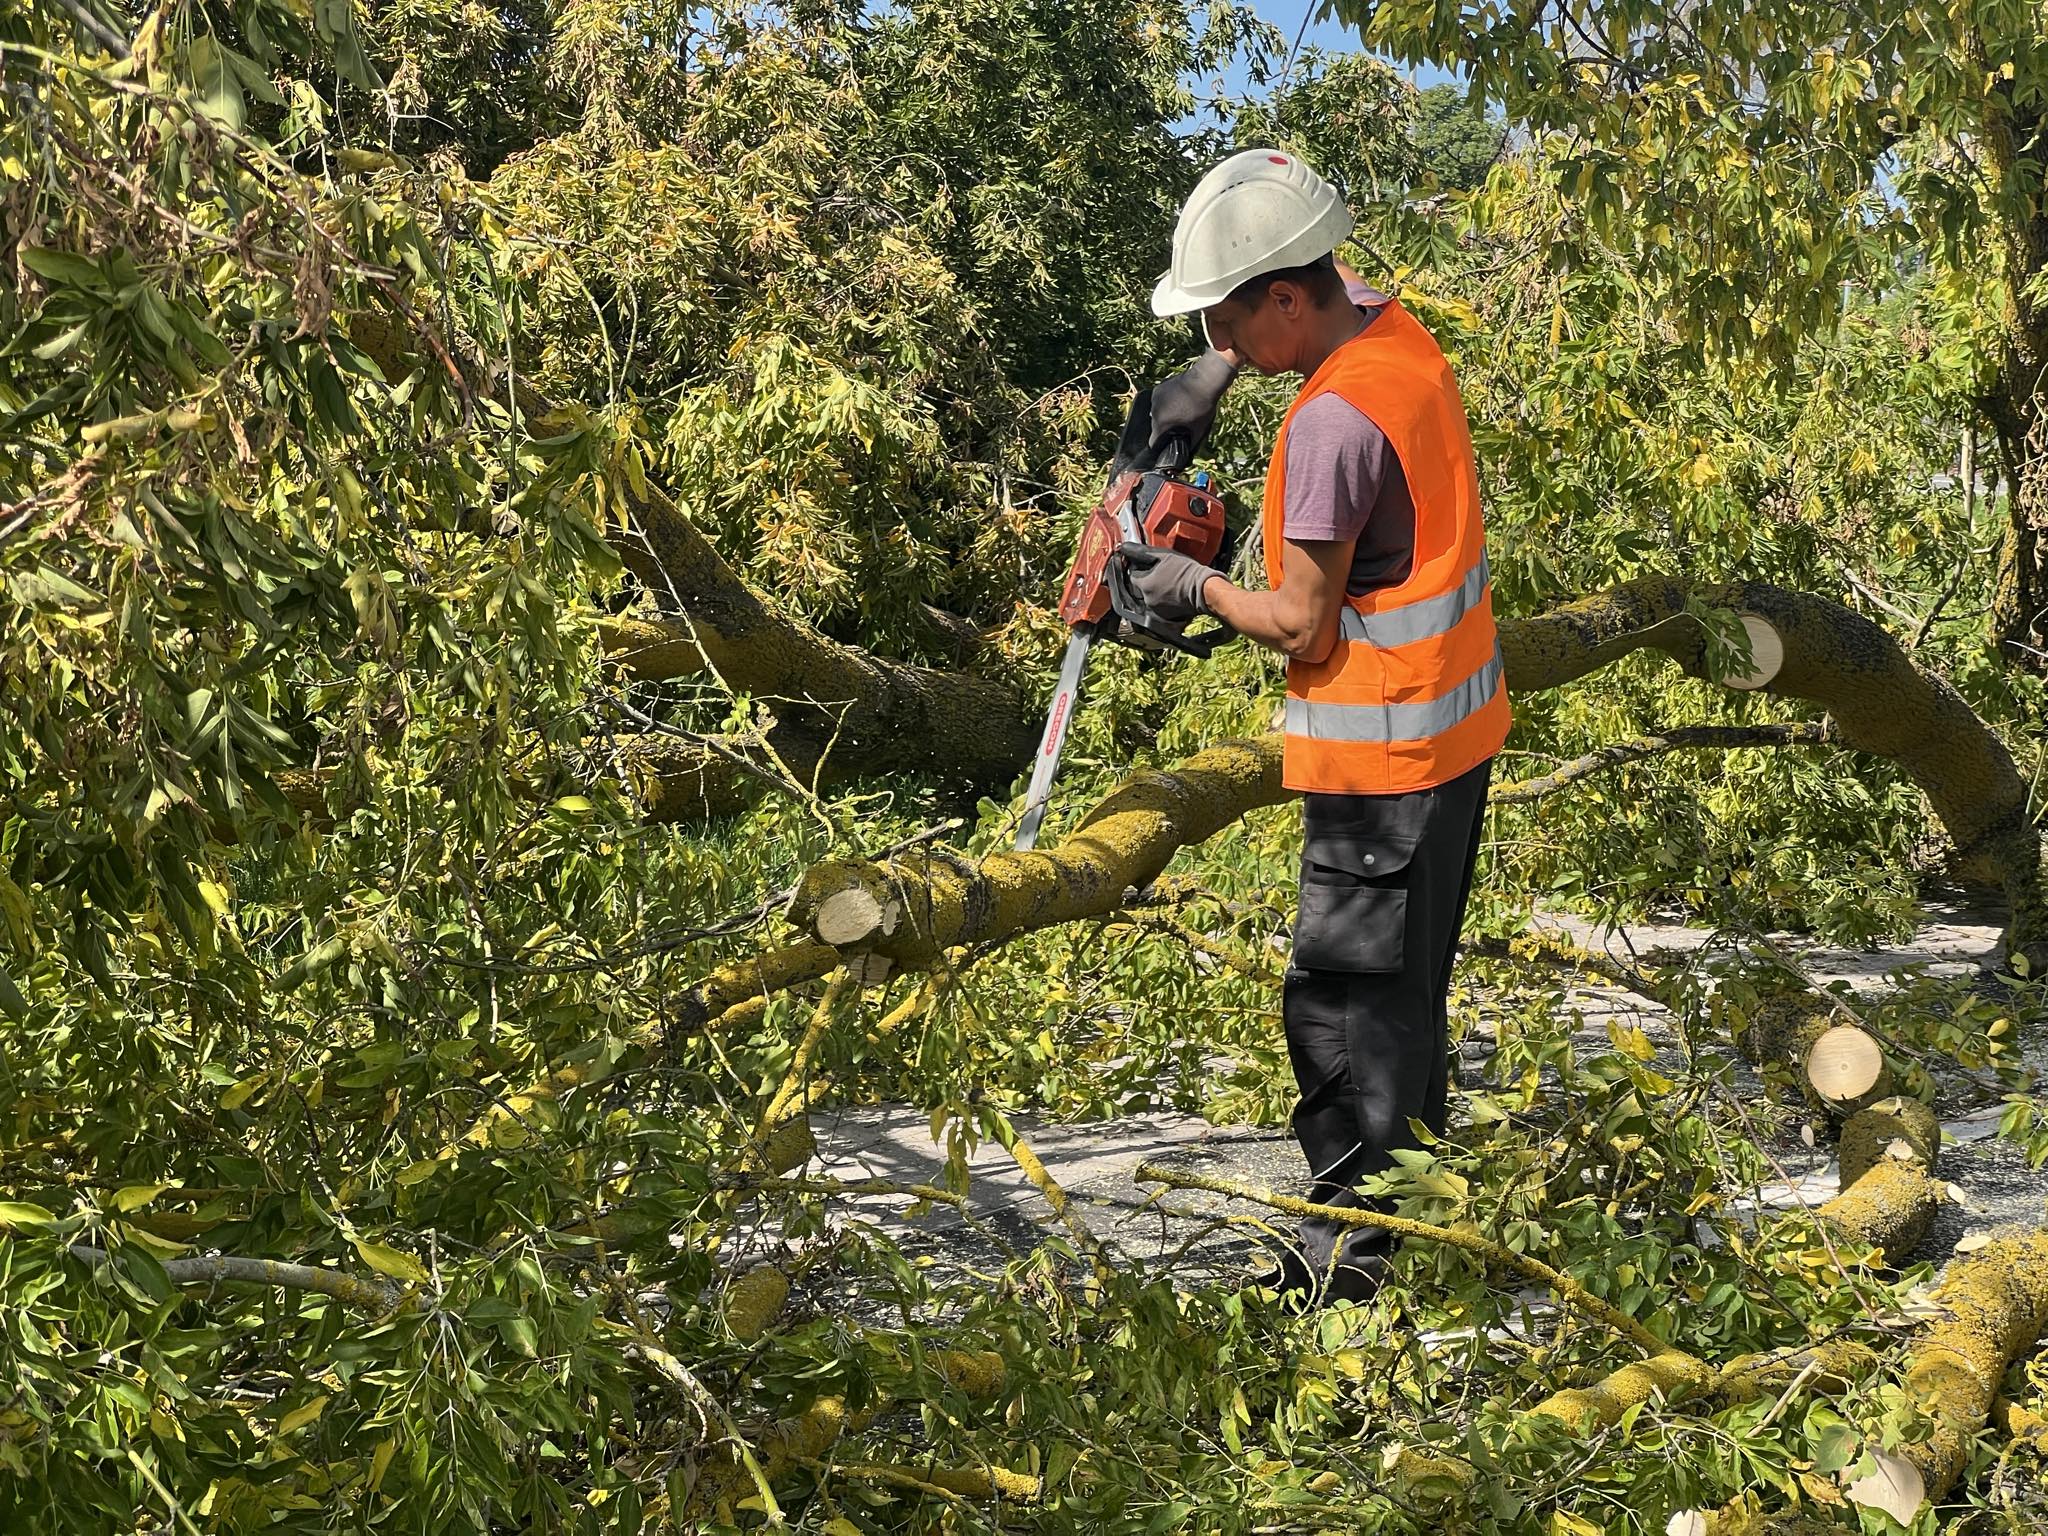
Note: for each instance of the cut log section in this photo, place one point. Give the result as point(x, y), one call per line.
point(1889, 1191)
point(1846, 1069)
point(943, 900)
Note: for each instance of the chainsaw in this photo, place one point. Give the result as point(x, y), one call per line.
point(1149, 500)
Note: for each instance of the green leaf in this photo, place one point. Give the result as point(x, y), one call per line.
point(63, 267)
point(12, 1003)
point(16, 1215)
point(217, 91)
point(56, 347)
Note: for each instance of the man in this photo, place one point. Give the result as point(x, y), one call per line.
point(1379, 598)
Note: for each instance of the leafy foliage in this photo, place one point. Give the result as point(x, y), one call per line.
point(318, 843)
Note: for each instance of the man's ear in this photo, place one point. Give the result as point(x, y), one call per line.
point(1290, 298)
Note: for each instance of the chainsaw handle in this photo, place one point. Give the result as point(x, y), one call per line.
point(1135, 449)
point(1176, 637)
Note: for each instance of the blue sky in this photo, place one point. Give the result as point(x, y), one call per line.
point(1329, 35)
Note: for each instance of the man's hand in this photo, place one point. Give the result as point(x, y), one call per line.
point(1166, 582)
point(1186, 402)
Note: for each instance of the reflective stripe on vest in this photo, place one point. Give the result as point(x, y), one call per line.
point(1432, 616)
point(1323, 720)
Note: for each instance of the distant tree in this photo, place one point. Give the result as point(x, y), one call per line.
point(1455, 143)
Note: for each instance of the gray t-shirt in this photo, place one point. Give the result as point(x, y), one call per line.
point(1344, 481)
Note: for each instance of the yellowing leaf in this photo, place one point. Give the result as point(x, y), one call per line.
point(133, 1197)
point(303, 1415)
point(380, 1461)
point(1630, 1041)
point(241, 1092)
point(413, 1173)
point(16, 1214)
point(389, 1261)
point(216, 896)
point(17, 918)
point(1562, 1524)
point(157, 1247)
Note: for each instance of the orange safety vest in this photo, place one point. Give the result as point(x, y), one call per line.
point(1412, 695)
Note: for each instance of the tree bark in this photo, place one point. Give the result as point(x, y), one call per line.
point(1996, 1303)
point(2015, 407)
point(1877, 700)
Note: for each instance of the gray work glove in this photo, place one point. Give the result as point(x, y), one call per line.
point(1186, 402)
point(1165, 582)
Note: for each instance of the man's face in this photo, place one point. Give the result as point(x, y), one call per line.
point(1262, 333)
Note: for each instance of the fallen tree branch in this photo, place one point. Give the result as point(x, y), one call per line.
point(1887, 1206)
point(1719, 738)
point(217, 1269)
point(1996, 1305)
point(1878, 701)
point(837, 710)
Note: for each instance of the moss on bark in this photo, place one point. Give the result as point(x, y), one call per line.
point(1868, 1137)
point(1671, 1374)
point(947, 900)
point(1995, 1304)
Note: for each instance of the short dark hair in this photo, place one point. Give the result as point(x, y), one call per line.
point(1318, 277)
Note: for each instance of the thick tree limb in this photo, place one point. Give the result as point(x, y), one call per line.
point(1996, 1305)
point(1878, 702)
point(834, 706)
point(945, 900)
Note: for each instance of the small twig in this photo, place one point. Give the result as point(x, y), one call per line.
point(1568, 1289)
point(366, 1295)
point(806, 1051)
point(103, 34)
point(1684, 738)
point(1806, 1373)
point(843, 1188)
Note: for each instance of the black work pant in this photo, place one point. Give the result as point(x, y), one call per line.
point(1384, 881)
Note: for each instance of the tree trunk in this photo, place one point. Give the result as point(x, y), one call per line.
point(2018, 408)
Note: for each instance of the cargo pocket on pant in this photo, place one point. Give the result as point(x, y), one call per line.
point(1351, 928)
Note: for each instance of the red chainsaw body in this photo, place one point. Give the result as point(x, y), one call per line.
point(1169, 513)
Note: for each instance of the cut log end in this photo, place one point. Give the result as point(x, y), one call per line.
point(1846, 1069)
point(1766, 655)
point(849, 917)
point(1895, 1486)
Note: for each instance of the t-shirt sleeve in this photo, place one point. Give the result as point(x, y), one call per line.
point(1337, 462)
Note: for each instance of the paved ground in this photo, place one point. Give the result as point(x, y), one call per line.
point(1095, 1162)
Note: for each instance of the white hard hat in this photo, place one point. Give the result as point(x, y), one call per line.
point(1258, 211)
